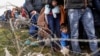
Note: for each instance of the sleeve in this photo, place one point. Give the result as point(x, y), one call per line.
point(28, 6)
point(63, 16)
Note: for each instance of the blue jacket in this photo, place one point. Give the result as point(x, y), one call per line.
point(64, 37)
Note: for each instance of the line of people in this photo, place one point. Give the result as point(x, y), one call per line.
point(52, 17)
point(18, 15)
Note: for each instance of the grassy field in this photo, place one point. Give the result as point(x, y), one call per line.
point(6, 38)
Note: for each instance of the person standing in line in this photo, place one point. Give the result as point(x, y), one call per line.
point(33, 7)
point(53, 14)
point(79, 10)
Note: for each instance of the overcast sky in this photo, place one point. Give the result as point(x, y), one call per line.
point(3, 4)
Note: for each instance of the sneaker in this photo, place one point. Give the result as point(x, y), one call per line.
point(34, 44)
point(65, 51)
point(27, 42)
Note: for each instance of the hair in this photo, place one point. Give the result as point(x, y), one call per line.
point(63, 26)
point(51, 3)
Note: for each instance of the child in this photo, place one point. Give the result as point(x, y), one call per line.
point(64, 37)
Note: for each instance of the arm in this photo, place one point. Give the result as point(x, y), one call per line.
point(63, 16)
point(28, 5)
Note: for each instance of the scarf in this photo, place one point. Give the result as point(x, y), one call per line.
point(55, 10)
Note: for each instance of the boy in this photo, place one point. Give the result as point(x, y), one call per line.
point(64, 37)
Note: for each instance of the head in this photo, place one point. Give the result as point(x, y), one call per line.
point(21, 7)
point(54, 3)
point(5, 12)
point(13, 9)
point(64, 28)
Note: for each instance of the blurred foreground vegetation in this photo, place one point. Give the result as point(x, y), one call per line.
point(6, 38)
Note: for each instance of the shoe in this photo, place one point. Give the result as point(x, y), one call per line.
point(34, 44)
point(65, 51)
point(27, 42)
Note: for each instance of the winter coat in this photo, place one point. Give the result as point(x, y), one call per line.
point(24, 13)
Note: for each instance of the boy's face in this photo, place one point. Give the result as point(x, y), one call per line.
point(64, 30)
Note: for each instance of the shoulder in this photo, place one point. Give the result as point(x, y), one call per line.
point(61, 6)
point(47, 5)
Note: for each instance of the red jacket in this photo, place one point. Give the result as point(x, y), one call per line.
point(23, 13)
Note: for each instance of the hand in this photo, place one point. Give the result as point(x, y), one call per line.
point(33, 12)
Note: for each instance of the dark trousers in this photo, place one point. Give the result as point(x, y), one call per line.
point(54, 24)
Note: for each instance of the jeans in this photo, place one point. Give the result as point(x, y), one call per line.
point(64, 37)
point(87, 20)
point(34, 18)
point(54, 24)
point(3, 18)
point(33, 29)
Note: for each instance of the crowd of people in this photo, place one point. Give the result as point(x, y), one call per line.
point(60, 18)
point(18, 15)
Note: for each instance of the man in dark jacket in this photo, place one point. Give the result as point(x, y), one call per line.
point(79, 10)
point(36, 5)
